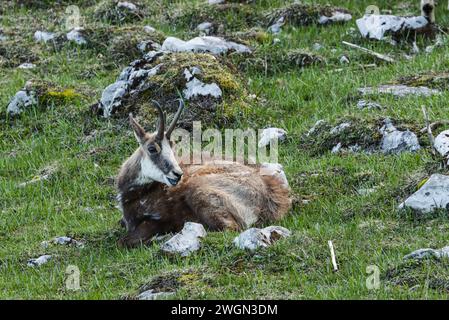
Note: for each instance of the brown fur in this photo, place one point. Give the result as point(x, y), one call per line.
point(219, 197)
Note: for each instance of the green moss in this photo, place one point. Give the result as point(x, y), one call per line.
point(48, 93)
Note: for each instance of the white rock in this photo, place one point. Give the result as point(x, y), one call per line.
point(395, 141)
point(276, 27)
point(375, 26)
point(255, 238)
point(344, 60)
point(187, 241)
point(27, 65)
point(315, 127)
point(127, 5)
point(22, 100)
point(275, 170)
point(63, 240)
point(317, 46)
point(442, 144)
point(111, 98)
point(362, 104)
point(337, 16)
point(39, 261)
point(76, 36)
point(216, 1)
point(195, 87)
point(399, 90)
point(270, 134)
point(149, 29)
point(209, 44)
point(205, 27)
point(44, 36)
point(434, 194)
point(336, 148)
point(151, 295)
point(428, 253)
point(340, 128)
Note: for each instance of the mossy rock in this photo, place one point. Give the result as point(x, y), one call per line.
point(108, 11)
point(168, 84)
point(363, 133)
point(298, 14)
point(48, 93)
point(15, 52)
point(120, 44)
point(432, 80)
point(228, 17)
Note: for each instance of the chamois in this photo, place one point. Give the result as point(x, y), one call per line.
point(157, 195)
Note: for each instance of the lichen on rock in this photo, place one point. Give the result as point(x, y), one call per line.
point(213, 90)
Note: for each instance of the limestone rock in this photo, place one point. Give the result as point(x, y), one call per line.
point(255, 238)
point(187, 241)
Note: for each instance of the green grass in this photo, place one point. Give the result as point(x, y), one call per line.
point(79, 198)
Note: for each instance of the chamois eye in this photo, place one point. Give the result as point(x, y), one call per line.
point(152, 148)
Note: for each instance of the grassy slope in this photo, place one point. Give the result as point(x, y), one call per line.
point(79, 199)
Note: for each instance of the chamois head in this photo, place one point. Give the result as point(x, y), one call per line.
point(158, 161)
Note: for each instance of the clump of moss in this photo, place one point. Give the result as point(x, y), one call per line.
point(431, 79)
point(298, 14)
point(279, 60)
point(109, 11)
point(230, 16)
point(15, 52)
point(48, 93)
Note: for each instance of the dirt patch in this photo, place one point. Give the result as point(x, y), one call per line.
point(15, 52)
point(433, 80)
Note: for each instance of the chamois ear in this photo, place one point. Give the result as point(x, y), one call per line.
point(139, 132)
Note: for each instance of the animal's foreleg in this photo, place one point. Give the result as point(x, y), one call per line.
point(142, 234)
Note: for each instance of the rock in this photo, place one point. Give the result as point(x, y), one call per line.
point(27, 65)
point(316, 126)
point(44, 36)
point(340, 128)
point(216, 1)
point(195, 87)
point(149, 29)
point(22, 99)
point(39, 261)
point(421, 254)
point(275, 170)
point(375, 26)
point(395, 141)
point(205, 27)
point(336, 148)
point(434, 194)
point(151, 295)
point(187, 241)
point(317, 46)
point(76, 36)
point(127, 5)
point(209, 44)
point(442, 144)
point(276, 28)
point(270, 134)
point(344, 59)
point(399, 90)
point(63, 240)
point(111, 98)
point(255, 238)
point(363, 104)
point(337, 16)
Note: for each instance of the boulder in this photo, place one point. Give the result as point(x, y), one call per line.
point(187, 241)
point(395, 141)
point(255, 238)
point(433, 195)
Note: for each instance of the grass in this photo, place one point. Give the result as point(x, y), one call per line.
point(79, 198)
